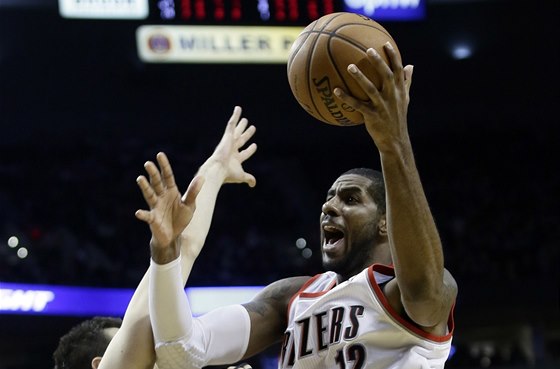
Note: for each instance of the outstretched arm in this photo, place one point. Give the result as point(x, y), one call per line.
point(423, 287)
point(225, 165)
point(133, 345)
point(227, 334)
point(181, 340)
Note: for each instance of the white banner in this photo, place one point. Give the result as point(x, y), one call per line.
point(215, 44)
point(104, 9)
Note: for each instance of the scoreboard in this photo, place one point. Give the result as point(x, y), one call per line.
point(279, 12)
point(258, 12)
point(228, 31)
point(242, 12)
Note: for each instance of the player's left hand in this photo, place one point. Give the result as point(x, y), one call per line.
point(385, 114)
point(169, 212)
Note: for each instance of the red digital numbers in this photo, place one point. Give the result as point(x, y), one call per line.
point(261, 11)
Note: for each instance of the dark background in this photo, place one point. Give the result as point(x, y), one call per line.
point(80, 114)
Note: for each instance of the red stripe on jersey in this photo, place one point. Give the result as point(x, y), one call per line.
point(390, 271)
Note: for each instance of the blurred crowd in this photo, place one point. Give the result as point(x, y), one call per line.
point(72, 207)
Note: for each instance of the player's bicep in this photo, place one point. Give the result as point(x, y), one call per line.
point(431, 315)
point(268, 313)
point(265, 327)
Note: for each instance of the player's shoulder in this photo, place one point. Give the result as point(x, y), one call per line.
point(285, 288)
point(267, 309)
point(278, 294)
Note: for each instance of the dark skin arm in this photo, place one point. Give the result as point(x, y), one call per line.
point(422, 291)
point(268, 312)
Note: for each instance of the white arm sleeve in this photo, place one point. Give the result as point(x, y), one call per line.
point(183, 342)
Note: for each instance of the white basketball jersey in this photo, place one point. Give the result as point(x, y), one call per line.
point(351, 326)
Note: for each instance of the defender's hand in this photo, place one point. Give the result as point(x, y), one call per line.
point(169, 213)
point(229, 155)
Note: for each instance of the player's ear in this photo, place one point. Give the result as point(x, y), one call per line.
point(95, 362)
point(382, 226)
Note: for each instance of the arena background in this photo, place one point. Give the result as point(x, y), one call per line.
point(80, 114)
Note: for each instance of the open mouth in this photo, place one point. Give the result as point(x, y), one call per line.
point(332, 235)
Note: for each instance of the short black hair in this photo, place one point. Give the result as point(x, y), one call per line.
point(377, 187)
point(77, 348)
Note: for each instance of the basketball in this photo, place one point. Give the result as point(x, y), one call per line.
point(318, 61)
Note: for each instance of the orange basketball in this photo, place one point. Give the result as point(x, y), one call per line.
point(318, 61)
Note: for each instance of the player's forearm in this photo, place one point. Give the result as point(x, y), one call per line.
point(184, 342)
point(170, 313)
point(133, 345)
point(414, 239)
point(193, 237)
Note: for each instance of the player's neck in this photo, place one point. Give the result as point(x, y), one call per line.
point(381, 253)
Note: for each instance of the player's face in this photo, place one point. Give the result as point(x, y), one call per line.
point(349, 226)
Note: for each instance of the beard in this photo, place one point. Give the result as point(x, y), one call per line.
point(357, 259)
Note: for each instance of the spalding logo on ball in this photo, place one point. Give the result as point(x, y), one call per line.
point(318, 61)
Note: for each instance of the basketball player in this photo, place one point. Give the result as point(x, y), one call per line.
point(84, 345)
point(132, 346)
point(385, 301)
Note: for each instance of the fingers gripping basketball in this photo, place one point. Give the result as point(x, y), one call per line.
point(319, 58)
